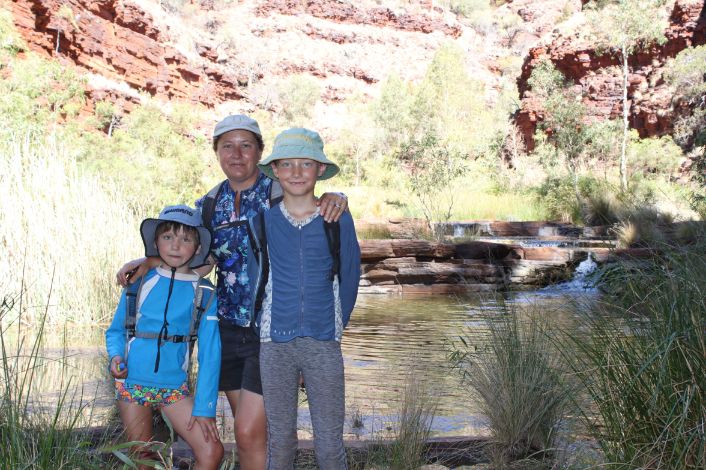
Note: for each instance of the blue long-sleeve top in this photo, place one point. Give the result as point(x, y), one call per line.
point(173, 365)
point(300, 298)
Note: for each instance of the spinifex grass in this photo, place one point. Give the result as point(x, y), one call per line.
point(514, 372)
point(644, 364)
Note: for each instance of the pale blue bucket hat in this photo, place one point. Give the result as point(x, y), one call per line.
point(299, 143)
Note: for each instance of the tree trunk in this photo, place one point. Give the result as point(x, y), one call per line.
point(623, 147)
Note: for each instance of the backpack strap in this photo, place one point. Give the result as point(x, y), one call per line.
point(208, 206)
point(276, 193)
point(258, 242)
point(132, 297)
point(333, 237)
point(202, 302)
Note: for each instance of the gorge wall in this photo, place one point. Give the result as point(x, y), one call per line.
point(600, 77)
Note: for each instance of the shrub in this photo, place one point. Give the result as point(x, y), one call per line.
point(432, 169)
point(298, 95)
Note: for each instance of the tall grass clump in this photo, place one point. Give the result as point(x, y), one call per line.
point(411, 429)
point(644, 364)
point(56, 219)
point(37, 432)
point(515, 374)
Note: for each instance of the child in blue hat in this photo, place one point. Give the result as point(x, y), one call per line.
point(150, 338)
point(308, 297)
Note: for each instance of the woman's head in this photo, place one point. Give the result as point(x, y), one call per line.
point(238, 143)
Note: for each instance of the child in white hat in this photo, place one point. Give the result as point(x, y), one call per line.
point(150, 338)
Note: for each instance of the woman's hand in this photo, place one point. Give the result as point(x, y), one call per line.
point(135, 269)
point(332, 205)
point(118, 367)
point(207, 425)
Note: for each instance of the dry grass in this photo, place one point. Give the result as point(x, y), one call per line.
point(56, 223)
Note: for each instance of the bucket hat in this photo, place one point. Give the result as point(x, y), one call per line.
point(184, 215)
point(236, 122)
point(299, 143)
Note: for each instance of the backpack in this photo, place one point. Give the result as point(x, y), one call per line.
point(258, 242)
point(202, 302)
point(208, 207)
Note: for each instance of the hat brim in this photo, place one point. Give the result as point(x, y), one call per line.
point(293, 151)
point(148, 229)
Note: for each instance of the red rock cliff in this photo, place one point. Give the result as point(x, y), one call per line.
point(600, 78)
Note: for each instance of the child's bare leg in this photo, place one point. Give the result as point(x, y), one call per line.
point(138, 426)
point(208, 453)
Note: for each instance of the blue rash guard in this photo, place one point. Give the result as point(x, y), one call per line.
point(173, 365)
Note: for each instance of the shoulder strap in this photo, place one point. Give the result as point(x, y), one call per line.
point(202, 302)
point(132, 296)
point(258, 242)
point(208, 207)
point(333, 237)
point(276, 193)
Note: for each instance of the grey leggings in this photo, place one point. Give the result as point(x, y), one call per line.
point(321, 364)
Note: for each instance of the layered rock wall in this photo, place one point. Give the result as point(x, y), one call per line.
point(600, 77)
point(119, 41)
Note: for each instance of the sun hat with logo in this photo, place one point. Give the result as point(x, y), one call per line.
point(236, 122)
point(299, 143)
point(181, 214)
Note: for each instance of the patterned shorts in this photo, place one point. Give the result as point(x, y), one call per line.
point(154, 397)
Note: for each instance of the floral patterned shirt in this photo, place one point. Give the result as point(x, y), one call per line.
point(230, 247)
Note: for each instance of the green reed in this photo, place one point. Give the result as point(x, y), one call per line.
point(643, 365)
point(38, 432)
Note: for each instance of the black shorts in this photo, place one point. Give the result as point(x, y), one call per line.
point(240, 359)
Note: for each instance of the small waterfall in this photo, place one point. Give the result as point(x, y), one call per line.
point(581, 275)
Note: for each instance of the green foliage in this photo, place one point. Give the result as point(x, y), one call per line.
point(36, 94)
point(10, 41)
point(603, 141)
point(392, 112)
point(642, 365)
point(37, 433)
point(298, 95)
point(451, 105)
point(432, 168)
point(545, 79)
point(410, 431)
point(699, 177)
point(655, 156)
point(628, 24)
point(558, 196)
point(468, 8)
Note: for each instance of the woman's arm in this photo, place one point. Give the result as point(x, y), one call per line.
point(135, 269)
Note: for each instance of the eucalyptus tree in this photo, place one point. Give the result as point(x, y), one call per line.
point(625, 26)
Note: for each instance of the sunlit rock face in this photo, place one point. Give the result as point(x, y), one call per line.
point(600, 78)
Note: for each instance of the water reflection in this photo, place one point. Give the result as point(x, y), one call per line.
point(389, 337)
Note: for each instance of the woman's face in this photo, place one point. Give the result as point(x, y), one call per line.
point(238, 153)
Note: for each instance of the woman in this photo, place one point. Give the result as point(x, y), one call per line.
point(238, 144)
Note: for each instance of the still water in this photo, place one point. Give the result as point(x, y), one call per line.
point(389, 340)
